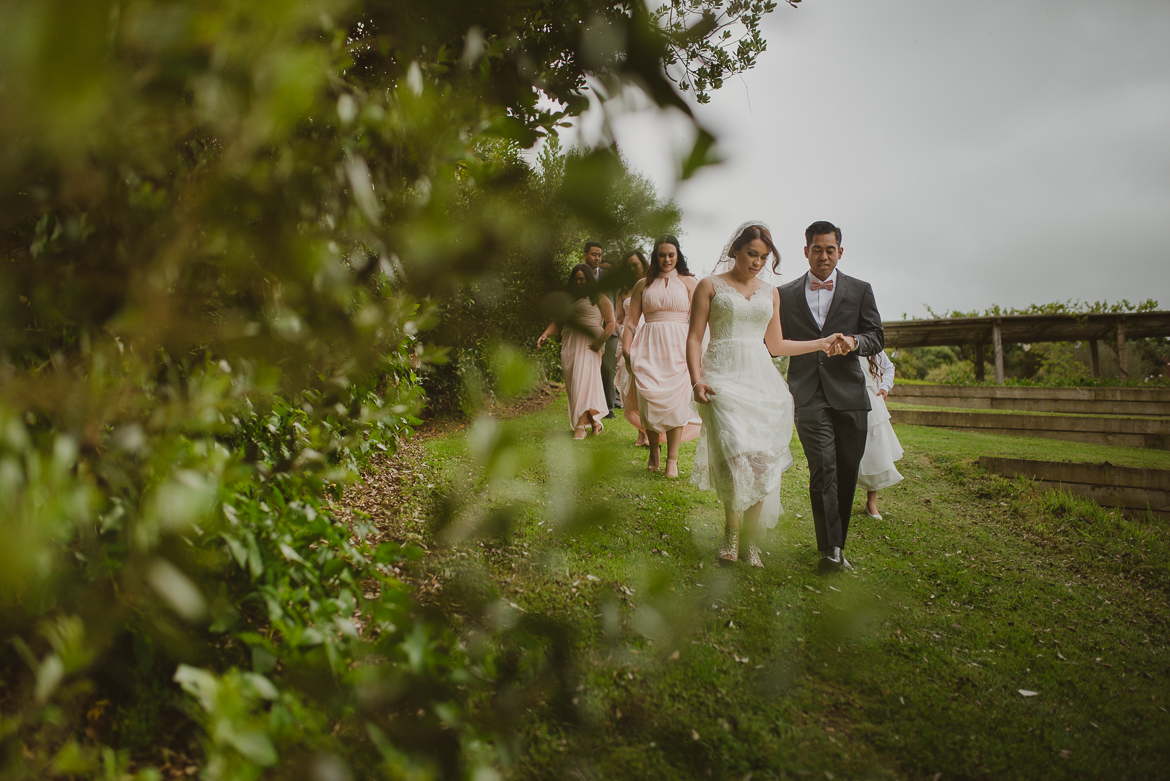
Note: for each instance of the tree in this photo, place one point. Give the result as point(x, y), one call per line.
point(227, 228)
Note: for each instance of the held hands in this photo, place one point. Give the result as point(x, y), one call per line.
point(596, 346)
point(838, 344)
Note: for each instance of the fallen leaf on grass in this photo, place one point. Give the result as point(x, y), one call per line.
point(1028, 693)
point(694, 735)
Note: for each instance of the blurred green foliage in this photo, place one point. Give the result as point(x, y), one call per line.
point(509, 308)
point(226, 229)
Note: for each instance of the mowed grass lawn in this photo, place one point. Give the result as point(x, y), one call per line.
point(989, 630)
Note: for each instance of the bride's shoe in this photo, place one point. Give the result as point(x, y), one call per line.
point(672, 467)
point(729, 550)
point(579, 432)
point(753, 555)
point(652, 461)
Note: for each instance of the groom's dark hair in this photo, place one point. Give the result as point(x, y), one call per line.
point(590, 245)
point(820, 228)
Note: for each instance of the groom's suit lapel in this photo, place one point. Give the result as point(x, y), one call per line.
point(844, 286)
point(802, 305)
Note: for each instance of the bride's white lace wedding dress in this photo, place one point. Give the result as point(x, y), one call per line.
point(747, 426)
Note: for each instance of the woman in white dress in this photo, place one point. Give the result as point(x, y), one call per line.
point(745, 404)
point(882, 447)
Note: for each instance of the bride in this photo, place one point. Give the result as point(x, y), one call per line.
point(744, 402)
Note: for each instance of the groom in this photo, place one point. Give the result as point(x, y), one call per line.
point(829, 390)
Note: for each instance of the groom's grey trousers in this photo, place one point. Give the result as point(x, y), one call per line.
point(834, 442)
point(608, 370)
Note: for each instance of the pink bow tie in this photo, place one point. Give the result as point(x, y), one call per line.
point(817, 284)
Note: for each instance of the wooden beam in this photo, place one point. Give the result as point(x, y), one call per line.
point(997, 343)
point(979, 362)
point(1094, 358)
point(1122, 365)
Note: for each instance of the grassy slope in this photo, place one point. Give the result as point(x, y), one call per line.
point(971, 589)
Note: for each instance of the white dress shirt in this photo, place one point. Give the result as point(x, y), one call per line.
point(819, 301)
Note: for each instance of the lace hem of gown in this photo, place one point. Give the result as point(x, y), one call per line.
point(743, 480)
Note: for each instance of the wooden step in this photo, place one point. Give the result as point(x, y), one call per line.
point(1085, 401)
point(1123, 432)
point(1132, 489)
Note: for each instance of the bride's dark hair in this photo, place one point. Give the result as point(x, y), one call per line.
point(750, 234)
point(653, 272)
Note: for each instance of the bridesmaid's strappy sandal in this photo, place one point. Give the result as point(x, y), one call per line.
point(729, 550)
point(598, 427)
point(579, 432)
point(672, 467)
point(653, 467)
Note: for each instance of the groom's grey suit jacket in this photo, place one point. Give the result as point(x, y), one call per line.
point(853, 312)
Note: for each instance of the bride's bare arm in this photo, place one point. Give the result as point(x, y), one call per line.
point(700, 314)
point(778, 345)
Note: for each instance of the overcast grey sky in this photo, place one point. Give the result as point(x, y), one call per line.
point(974, 153)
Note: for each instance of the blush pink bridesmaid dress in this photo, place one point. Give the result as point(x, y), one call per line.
point(658, 357)
point(625, 380)
point(581, 366)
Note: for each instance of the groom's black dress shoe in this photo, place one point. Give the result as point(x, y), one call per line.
point(833, 561)
point(609, 416)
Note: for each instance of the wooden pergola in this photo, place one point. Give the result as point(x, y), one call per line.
point(1027, 329)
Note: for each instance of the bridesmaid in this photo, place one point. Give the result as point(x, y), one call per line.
point(590, 324)
point(882, 449)
point(657, 354)
point(635, 263)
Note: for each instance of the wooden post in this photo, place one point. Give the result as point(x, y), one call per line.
point(1094, 358)
point(1122, 366)
point(979, 362)
point(997, 343)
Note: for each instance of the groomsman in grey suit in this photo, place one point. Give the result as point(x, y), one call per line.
point(829, 390)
